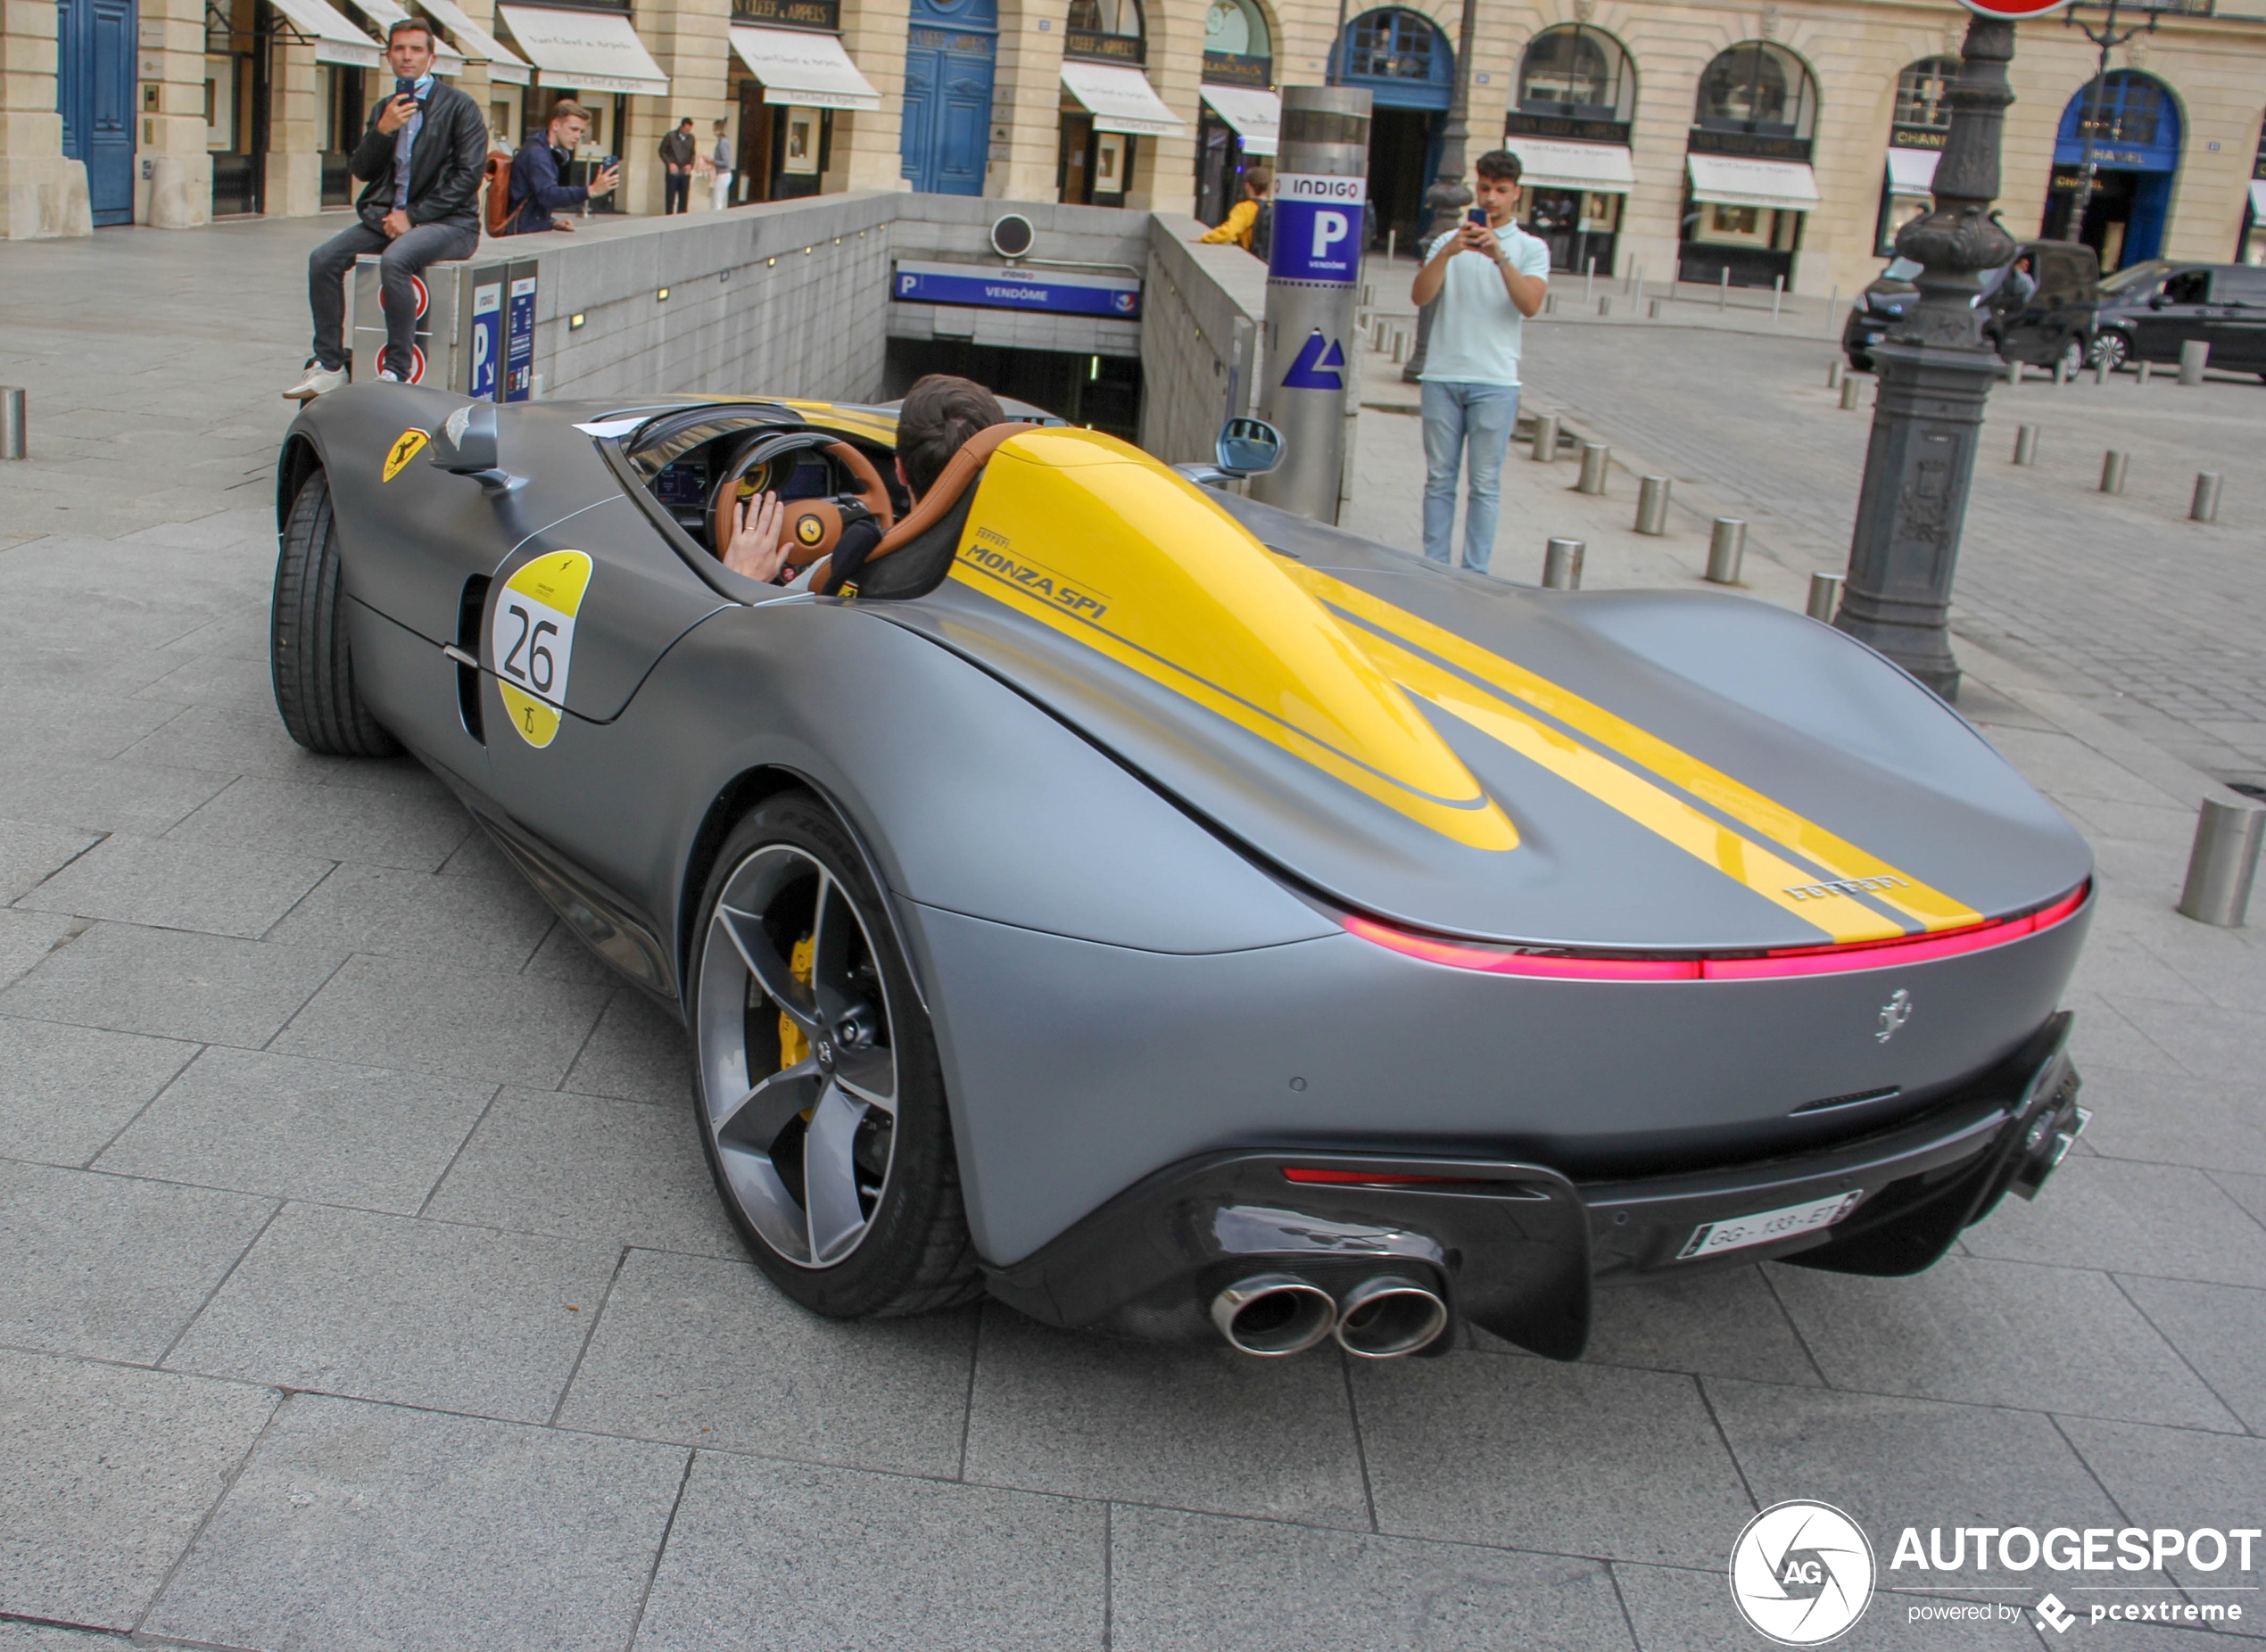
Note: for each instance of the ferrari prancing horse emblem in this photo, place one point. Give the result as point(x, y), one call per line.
point(810, 529)
point(1894, 1014)
point(406, 447)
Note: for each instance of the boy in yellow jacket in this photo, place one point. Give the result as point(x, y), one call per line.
point(1245, 213)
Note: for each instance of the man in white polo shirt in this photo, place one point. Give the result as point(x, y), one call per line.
point(1488, 278)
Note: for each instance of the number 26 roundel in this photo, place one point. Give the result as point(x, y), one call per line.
point(531, 639)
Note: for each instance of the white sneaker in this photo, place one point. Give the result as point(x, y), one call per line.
point(321, 381)
point(390, 376)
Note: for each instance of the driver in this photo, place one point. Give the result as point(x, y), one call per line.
point(938, 417)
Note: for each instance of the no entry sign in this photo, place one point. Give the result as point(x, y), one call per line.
point(2014, 9)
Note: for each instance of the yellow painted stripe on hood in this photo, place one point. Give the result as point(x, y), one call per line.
point(1841, 860)
point(1699, 835)
point(1100, 543)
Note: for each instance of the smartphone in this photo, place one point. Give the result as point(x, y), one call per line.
point(609, 163)
point(1477, 215)
point(404, 89)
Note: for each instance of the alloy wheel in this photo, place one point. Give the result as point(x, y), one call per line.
point(2110, 348)
point(797, 1065)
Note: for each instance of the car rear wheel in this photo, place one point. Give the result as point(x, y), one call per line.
point(818, 1090)
point(309, 655)
point(2112, 348)
point(2072, 358)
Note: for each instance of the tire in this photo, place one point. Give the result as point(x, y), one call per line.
point(816, 1086)
point(2072, 358)
point(2112, 347)
point(309, 655)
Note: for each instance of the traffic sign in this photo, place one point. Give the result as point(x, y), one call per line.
point(2015, 10)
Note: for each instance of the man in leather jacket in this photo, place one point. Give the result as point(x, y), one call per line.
point(420, 160)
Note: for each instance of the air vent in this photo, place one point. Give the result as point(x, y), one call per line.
point(1856, 1098)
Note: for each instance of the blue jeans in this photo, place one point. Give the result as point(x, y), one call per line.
point(1455, 415)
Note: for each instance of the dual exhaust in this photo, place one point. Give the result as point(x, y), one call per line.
point(1272, 1316)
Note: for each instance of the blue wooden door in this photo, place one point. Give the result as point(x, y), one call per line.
point(94, 94)
point(946, 134)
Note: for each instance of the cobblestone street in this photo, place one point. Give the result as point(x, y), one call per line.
point(362, 1284)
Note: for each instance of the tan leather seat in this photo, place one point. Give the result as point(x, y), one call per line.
point(958, 475)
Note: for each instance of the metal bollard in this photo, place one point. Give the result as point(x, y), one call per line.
point(1596, 456)
point(1652, 505)
point(2205, 508)
point(15, 423)
point(1400, 346)
point(2223, 862)
point(1777, 298)
point(2026, 444)
point(2014, 372)
point(2141, 371)
point(1653, 310)
point(1833, 374)
point(1604, 303)
point(1589, 283)
point(1851, 387)
point(2195, 356)
point(2101, 372)
point(1826, 596)
point(2112, 472)
point(1545, 436)
point(1726, 547)
point(1562, 564)
point(2061, 371)
point(1549, 303)
point(1723, 289)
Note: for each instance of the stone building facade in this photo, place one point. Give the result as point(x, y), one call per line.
point(1699, 139)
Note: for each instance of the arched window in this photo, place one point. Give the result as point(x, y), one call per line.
point(2127, 107)
point(1235, 27)
point(1577, 71)
point(1395, 45)
point(1107, 17)
point(1919, 94)
point(1757, 88)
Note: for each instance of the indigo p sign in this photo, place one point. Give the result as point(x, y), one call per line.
point(1317, 229)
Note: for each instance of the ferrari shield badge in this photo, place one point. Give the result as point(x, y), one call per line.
point(531, 638)
point(406, 447)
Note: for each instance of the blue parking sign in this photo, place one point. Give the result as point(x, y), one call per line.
point(1319, 229)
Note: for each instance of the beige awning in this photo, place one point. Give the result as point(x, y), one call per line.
point(1256, 116)
point(2258, 200)
point(505, 65)
point(1912, 173)
point(584, 51)
point(335, 39)
point(386, 14)
point(797, 67)
point(1734, 180)
point(1546, 164)
point(1120, 99)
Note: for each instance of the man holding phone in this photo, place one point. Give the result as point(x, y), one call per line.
point(420, 161)
point(1488, 276)
point(538, 173)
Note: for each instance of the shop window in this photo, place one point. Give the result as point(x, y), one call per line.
point(1109, 30)
point(1920, 89)
point(1577, 71)
point(2126, 108)
point(1733, 220)
point(1396, 46)
point(1760, 88)
point(1237, 49)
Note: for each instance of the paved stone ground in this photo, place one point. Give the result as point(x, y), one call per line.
point(361, 1285)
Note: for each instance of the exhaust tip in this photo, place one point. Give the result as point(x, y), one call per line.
point(1270, 1316)
point(1386, 1318)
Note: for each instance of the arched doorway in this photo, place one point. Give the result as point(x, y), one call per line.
point(1749, 185)
point(2133, 123)
point(1408, 69)
point(1570, 131)
point(946, 134)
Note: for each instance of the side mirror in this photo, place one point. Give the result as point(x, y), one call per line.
point(1248, 447)
point(2157, 301)
point(466, 446)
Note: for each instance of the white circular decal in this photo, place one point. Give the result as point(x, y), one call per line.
point(1801, 1572)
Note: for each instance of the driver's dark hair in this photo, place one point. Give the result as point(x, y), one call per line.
point(939, 414)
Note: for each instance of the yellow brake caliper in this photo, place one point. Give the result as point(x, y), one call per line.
point(793, 1047)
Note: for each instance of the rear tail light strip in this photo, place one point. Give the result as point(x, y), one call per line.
point(1785, 962)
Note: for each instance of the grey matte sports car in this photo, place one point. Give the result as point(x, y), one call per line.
point(1166, 914)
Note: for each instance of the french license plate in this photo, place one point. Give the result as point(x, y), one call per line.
point(1736, 1232)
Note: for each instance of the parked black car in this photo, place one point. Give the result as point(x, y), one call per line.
point(2038, 307)
point(2147, 312)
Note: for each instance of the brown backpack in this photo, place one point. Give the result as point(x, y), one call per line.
point(497, 213)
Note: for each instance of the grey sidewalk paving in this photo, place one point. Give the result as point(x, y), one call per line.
point(360, 1284)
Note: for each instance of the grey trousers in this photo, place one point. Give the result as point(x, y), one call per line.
point(401, 258)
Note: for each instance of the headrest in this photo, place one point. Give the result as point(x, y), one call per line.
point(956, 478)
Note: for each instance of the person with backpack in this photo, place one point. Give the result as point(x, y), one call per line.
point(1241, 225)
point(420, 160)
point(538, 172)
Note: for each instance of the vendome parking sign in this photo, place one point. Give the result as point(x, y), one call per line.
point(1317, 229)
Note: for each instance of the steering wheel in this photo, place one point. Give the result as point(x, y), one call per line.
point(814, 526)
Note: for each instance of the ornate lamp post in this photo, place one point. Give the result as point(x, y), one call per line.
point(1445, 200)
point(1934, 375)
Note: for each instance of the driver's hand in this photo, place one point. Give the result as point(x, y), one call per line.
point(759, 548)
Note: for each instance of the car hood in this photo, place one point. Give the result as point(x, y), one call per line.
point(1655, 771)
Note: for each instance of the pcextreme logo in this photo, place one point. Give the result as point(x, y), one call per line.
point(1802, 1574)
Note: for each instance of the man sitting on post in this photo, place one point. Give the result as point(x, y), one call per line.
point(420, 160)
point(539, 171)
point(934, 421)
point(1488, 277)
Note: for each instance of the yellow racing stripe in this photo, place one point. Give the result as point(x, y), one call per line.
point(1669, 817)
point(1841, 860)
